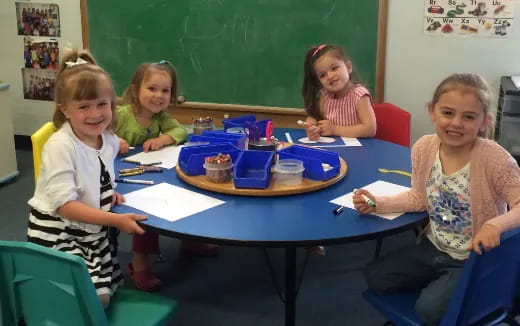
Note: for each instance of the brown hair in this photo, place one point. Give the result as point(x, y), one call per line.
point(311, 84)
point(131, 94)
point(80, 82)
point(467, 82)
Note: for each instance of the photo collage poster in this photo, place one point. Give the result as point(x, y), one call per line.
point(39, 24)
point(476, 18)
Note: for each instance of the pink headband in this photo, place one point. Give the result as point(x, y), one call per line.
point(318, 49)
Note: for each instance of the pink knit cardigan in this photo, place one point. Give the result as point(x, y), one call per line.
point(494, 184)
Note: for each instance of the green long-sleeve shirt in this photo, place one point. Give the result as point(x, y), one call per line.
point(130, 130)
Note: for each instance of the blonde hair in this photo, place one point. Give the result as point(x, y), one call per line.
point(80, 82)
point(131, 94)
point(467, 82)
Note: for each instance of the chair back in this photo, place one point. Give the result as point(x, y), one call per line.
point(38, 139)
point(485, 291)
point(488, 284)
point(43, 286)
point(393, 124)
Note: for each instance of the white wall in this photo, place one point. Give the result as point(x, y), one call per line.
point(416, 62)
point(29, 115)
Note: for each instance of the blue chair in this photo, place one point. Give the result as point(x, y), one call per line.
point(485, 292)
point(43, 286)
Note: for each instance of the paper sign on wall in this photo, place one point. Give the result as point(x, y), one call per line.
point(484, 18)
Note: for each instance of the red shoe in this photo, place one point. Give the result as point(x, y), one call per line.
point(198, 249)
point(144, 280)
point(318, 250)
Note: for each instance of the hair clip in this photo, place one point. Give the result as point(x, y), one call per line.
point(165, 62)
point(318, 49)
point(78, 61)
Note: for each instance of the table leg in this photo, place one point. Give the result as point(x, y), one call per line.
point(290, 286)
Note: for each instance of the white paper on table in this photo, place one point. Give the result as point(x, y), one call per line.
point(168, 156)
point(170, 202)
point(351, 141)
point(378, 188)
point(348, 142)
point(306, 140)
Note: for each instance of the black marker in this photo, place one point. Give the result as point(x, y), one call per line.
point(338, 210)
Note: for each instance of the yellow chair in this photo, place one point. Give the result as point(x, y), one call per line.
point(38, 139)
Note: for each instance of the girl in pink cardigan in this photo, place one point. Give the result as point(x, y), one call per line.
point(464, 182)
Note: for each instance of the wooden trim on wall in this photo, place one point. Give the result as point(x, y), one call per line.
point(282, 117)
point(84, 23)
point(381, 50)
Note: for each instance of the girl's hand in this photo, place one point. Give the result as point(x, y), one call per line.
point(488, 236)
point(127, 223)
point(312, 131)
point(153, 144)
point(326, 127)
point(123, 146)
point(117, 199)
point(360, 202)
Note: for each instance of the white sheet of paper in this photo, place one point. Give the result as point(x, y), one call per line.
point(348, 142)
point(378, 188)
point(351, 141)
point(306, 140)
point(168, 155)
point(170, 202)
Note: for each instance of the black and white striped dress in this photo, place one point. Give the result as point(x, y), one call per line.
point(94, 247)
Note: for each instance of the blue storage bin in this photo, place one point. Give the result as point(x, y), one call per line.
point(312, 159)
point(220, 137)
point(243, 120)
point(238, 121)
point(191, 158)
point(253, 169)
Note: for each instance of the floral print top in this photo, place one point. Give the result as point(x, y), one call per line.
point(449, 210)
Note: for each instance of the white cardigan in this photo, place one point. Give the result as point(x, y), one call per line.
point(71, 170)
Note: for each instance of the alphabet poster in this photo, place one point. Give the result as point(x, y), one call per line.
point(484, 18)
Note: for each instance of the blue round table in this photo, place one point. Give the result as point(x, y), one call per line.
point(293, 221)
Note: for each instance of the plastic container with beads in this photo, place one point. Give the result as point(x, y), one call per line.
point(219, 169)
point(202, 124)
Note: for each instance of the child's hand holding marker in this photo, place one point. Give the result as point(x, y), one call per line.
point(313, 131)
point(364, 201)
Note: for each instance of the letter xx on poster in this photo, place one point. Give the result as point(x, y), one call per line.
point(484, 18)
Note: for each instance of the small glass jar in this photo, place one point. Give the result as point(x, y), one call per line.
point(219, 168)
point(200, 124)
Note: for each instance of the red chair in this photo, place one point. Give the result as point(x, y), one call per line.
point(393, 124)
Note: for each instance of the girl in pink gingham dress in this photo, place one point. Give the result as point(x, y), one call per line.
point(336, 103)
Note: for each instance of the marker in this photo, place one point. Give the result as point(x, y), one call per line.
point(306, 124)
point(131, 161)
point(338, 210)
point(128, 174)
point(132, 170)
point(147, 168)
point(368, 201)
point(141, 182)
point(149, 164)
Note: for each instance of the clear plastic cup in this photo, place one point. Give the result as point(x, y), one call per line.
point(288, 172)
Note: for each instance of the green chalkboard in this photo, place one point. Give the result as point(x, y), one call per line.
point(231, 51)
